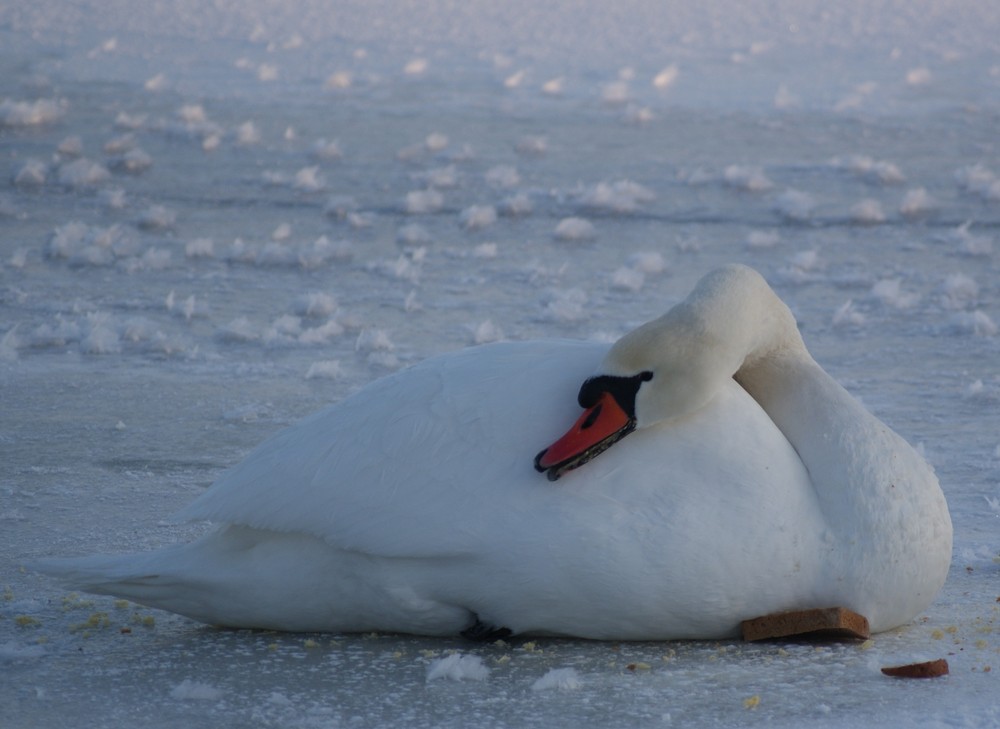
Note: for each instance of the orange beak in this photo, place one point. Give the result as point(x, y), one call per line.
point(600, 427)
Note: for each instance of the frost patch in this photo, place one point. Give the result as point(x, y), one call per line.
point(575, 229)
point(188, 690)
point(30, 113)
point(458, 667)
point(565, 679)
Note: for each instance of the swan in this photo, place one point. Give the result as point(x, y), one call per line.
point(716, 474)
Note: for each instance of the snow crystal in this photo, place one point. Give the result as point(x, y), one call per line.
point(82, 173)
point(30, 113)
point(413, 234)
point(918, 76)
point(486, 332)
point(238, 330)
point(666, 78)
point(442, 178)
point(71, 146)
point(574, 229)
point(531, 146)
point(458, 667)
point(112, 198)
point(503, 177)
point(875, 171)
point(750, 179)
point(650, 263)
point(309, 179)
point(188, 690)
point(959, 291)
point(485, 250)
point(157, 217)
point(554, 86)
point(616, 93)
point(868, 212)
point(326, 370)
point(967, 243)
point(119, 145)
point(516, 205)
point(326, 151)
point(565, 679)
point(420, 202)
point(373, 340)
point(402, 268)
point(436, 142)
point(32, 174)
point(9, 344)
point(339, 80)
point(477, 217)
point(199, 248)
point(889, 292)
point(133, 162)
point(247, 134)
point(916, 203)
point(621, 196)
point(795, 205)
point(975, 322)
point(627, 279)
point(848, 315)
point(762, 239)
point(564, 305)
point(321, 334)
point(315, 304)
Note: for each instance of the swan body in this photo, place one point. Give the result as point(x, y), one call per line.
point(750, 483)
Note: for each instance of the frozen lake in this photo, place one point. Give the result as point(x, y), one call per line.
point(213, 224)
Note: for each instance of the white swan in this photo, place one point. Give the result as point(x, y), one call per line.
point(415, 506)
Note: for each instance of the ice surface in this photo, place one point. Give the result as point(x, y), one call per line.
point(215, 218)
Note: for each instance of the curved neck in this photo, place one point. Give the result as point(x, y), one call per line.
point(842, 445)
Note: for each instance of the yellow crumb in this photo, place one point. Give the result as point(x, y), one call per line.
point(951, 629)
point(937, 634)
point(639, 666)
point(26, 620)
point(868, 645)
point(397, 655)
point(429, 654)
point(503, 659)
point(272, 647)
point(783, 653)
point(752, 703)
point(310, 643)
point(121, 604)
point(8, 594)
point(148, 621)
point(72, 601)
point(96, 620)
point(981, 644)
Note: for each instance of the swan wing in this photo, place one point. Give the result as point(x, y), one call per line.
point(417, 463)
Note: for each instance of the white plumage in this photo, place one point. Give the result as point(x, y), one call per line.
point(414, 506)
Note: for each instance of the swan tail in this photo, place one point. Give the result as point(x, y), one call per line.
point(142, 578)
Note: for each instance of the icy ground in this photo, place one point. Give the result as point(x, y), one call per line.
point(214, 220)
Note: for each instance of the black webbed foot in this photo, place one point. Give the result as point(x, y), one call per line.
point(481, 632)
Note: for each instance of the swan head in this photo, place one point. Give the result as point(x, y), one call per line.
point(729, 325)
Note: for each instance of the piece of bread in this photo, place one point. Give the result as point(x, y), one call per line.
point(834, 623)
